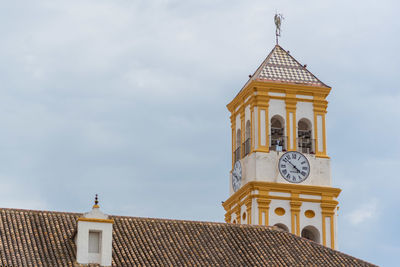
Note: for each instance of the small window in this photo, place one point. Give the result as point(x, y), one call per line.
point(94, 241)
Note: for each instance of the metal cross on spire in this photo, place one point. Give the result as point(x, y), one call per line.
point(278, 20)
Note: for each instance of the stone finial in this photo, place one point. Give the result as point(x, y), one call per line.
point(96, 202)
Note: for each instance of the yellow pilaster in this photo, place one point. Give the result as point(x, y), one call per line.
point(233, 126)
point(320, 106)
point(248, 203)
point(263, 207)
point(228, 216)
point(328, 204)
point(295, 216)
point(328, 211)
point(242, 130)
point(237, 212)
point(252, 125)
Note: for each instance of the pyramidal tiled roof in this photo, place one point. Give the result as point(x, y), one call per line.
point(45, 238)
point(280, 66)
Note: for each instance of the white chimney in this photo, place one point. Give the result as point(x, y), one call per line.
point(94, 237)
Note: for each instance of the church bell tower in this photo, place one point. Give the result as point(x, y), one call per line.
point(280, 167)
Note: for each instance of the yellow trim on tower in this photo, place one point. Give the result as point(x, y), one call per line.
point(256, 94)
point(324, 135)
point(320, 105)
point(263, 207)
point(316, 134)
point(326, 193)
point(238, 215)
point(328, 211)
point(264, 86)
point(309, 214)
point(267, 128)
point(261, 192)
point(248, 203)
point(252, 133)
point(82, 219)
point(258, 130)
point(280, 211)
point(295, 214)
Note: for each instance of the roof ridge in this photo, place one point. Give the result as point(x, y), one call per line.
point(272, 228)
point(41, 211)
point(135, 217)
point(302, 66)
point(194, 221)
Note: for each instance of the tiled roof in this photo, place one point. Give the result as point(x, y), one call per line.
point(43, 238)
point(280, 66)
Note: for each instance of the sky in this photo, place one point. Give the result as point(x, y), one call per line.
point(127, 99)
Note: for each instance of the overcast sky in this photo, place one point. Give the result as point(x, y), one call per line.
point(128, 99)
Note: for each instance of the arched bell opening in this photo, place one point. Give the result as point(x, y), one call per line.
point(277, 137)
point(311, 233)
point(282, 227)
point(305, 142)
point(247, 143)
point(238, 144)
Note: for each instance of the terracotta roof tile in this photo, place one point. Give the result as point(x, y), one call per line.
point(43, 238)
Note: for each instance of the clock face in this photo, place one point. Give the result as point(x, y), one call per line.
point(236, 176)
point(294, 167)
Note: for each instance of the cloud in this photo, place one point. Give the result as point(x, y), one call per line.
point(127, 99)
point(364, 212)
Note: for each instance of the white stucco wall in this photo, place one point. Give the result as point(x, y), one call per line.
point(316, 221)
point(260, 166)
point(304, 97)
point(243, 209)
point(254, 211)
point(328, 231)
point(82, 243)
point(284, 219)
point(233, 217)
point(320, 133)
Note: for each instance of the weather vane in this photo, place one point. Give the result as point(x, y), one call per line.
point(278, 20)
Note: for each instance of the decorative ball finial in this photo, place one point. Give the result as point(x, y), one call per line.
point(96, 202)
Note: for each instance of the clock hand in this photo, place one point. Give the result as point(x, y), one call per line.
point(294, 166)
point(298, 171)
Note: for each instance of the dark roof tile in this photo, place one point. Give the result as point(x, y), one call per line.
point(42, 238)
